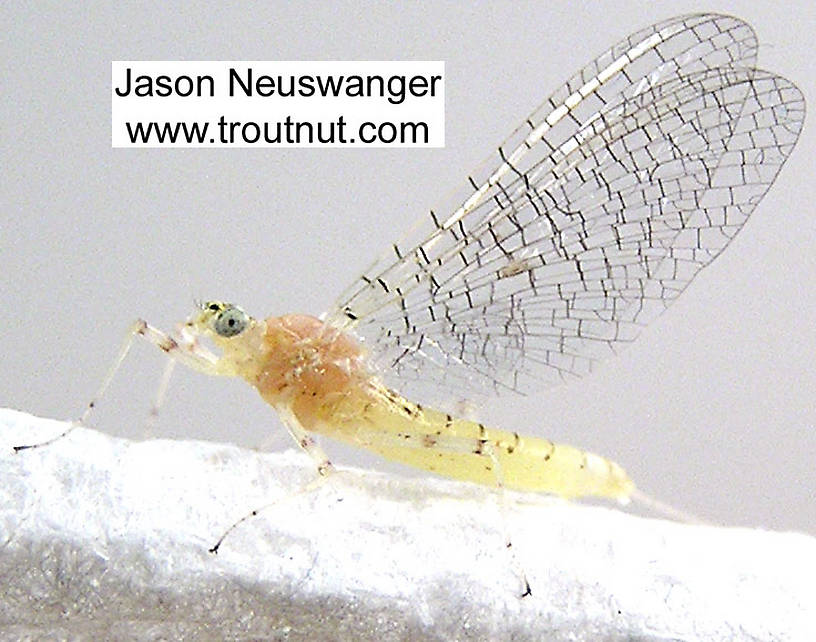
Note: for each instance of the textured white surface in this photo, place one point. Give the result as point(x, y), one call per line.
point(106, 538)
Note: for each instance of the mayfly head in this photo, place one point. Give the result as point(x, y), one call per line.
point(219, 320)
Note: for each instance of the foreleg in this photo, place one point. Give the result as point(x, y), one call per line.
point(185, 349)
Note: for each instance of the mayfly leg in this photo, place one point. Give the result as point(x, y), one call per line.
point(306, 442)
point(490, 452)
point(486, 448)
point(188, 352)
point(303, 490)
point(187, 343)
point(158, 399)
point(481, 446)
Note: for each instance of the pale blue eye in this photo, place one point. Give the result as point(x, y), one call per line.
point(232, 321)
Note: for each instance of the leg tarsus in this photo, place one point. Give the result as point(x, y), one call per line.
point(306, 488)
point(47, 442)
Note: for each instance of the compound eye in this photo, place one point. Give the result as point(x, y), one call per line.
point(230, 322)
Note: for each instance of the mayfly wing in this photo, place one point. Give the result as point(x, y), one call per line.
point(591, 218)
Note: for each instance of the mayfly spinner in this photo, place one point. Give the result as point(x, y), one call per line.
point(591, 219)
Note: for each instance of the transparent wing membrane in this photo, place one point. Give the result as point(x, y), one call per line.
point(591, 218)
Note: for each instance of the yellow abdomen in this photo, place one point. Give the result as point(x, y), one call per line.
point(385, 423)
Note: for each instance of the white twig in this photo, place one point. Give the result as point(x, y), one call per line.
point(106, 538)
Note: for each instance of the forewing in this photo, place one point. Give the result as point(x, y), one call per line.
point(599, 211)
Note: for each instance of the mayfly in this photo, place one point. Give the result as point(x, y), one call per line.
point(592, 218)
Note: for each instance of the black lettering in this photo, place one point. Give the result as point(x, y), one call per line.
point(283, 90)
point(391, 134)
point(265, 86)
point(234, 78)
point(363, 137)
point(163, 86)
point(143, 86)
point(126, 90)
point(330, 86)
point(309, 130)
point(418, 86)
point(250, 132)
point(167, 132)
point(370, 82)
point(341, 130)
point(306, 86)
point(396, 93)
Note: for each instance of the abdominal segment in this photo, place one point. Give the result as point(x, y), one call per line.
point(391, 426)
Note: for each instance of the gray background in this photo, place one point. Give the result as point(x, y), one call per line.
point(711, 410)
